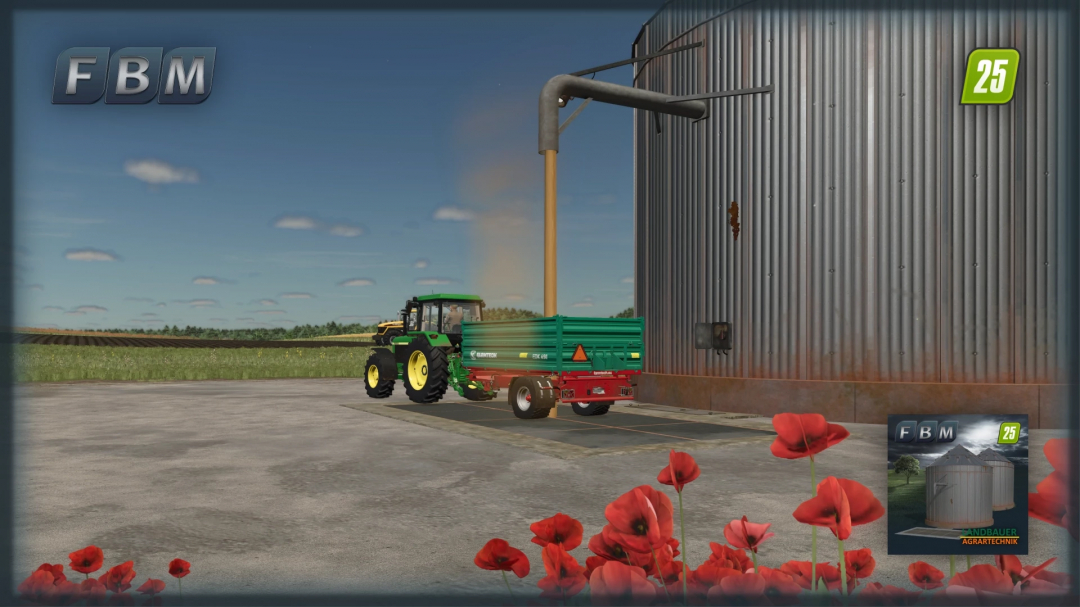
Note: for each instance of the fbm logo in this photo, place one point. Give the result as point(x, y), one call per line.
point(926, 432)
point(134, 75)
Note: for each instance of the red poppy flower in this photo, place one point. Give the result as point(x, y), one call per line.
point(800, 573)
point(700, 580)
point(92, 591)
point(681, 470)
point(1057, 497)
point(565, 577)
point(592, 563)
point(559, 529)
point(740, 589)
point(730, 557)
point(671, 571)
point(1063, 580)
point(608, 544)
point(925, 576)
point(860, 563)
point(66, 593)
point(986, 578)
point(839, 505)
point(57, 572)
point(38, 587)
point(779, 586)
point(496, 555)
point(831, 577)
point(804, 434)
point(674, 545)
point(118, 579)
point(617, 584)
point(746, 535)
point(665, 510)
point(178, 568)
point(635, 522)
point(87, 560)
point(876, 594)
point(152, 587)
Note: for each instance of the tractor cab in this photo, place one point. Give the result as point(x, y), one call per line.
point(441, 313)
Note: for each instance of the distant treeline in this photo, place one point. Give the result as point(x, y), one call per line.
point(256, 334)
point(308, 331)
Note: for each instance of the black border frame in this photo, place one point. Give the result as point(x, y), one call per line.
point(1070, 131)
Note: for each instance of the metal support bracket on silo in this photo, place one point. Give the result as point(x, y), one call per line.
point(732, 93)
point(563, 126)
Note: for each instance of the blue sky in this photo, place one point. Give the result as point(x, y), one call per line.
point(342, 163)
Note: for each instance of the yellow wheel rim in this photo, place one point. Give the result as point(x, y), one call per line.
point(373, 376)
point(418, 369)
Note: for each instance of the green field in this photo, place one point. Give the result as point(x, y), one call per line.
point(907, 502)
point(39, 363)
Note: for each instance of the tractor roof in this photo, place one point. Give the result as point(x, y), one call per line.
point(449, 296)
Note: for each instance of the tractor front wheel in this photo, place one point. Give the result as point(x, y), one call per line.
point(380, 373)
point(426, 372)
point(531, 397)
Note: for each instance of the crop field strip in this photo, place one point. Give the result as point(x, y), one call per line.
point(53, 339)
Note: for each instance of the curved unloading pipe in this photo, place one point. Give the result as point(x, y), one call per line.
point(573, 86)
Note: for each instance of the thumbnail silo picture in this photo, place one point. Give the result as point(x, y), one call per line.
point(959, 491)
point(1002, 472)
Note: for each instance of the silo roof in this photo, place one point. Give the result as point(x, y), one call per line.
point(958, 456)
point(989, 455)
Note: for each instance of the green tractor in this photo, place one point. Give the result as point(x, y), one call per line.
point(427, 356)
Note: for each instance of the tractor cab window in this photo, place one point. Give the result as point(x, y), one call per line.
point(456, 312)
point(411, 323)
point(430, 319)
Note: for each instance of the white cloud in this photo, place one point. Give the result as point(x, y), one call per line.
point(53, 308)
point(296, 222)
point(584, 303)
point(160, 304)
point(199, 303)
point(247, 319)
point(357, 282)
point(140, 299)
point(297, 296)
point(205, 280)
point(148, 321)
point(435, 281)
point(420, 263)
point(269, 312)
point(85, 309)
point(452, 214)
point(348, 231)
point(157, 172)
point(268, 302)
point(74, 313)
point(628, 280)
point(36, 287)
point(344, 229)
point(90, 255)
point(514, 297)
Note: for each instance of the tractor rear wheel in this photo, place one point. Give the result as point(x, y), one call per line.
point(590, 408)
point(380, 373)
point(531, 397)
point(426, 372)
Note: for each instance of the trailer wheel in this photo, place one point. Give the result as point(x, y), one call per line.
point(426, 374)
point(531, 397)
point(478, 394)
point(380, 373)
point(590, 408)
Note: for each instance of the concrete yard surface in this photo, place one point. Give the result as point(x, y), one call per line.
point(309, 486)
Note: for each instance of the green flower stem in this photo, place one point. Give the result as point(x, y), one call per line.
point(659, 574)
point(682, 527)
point(969, 561)
point(505, 579)
point(952, 566)
point(813, 532)
point(753, 554)
point(843, 567)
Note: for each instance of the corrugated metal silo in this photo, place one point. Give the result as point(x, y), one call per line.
point(1003, 478)
point(959, 491)
point(888, 235)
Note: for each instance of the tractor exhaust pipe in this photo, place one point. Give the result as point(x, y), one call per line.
point(552, 95)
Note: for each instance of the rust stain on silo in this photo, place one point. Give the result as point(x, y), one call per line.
point(733, 211)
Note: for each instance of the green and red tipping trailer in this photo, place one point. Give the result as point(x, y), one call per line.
point(585, 362)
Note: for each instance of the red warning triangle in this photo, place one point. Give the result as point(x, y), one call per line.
point(579, 355)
